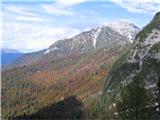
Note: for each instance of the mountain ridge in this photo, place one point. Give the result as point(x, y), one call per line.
point(84, 42)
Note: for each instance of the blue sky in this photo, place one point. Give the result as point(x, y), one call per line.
point(31, 25)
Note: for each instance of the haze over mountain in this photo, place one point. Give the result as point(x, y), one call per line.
point(9, 55)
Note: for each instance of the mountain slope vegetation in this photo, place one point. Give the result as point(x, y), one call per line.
point(132, 87)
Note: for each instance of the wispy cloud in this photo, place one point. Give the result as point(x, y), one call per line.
point(27, 18)
point(34, 37)
point(69, 3)
point(139, 6)
point(51, 9)
point(24, 13)
point(24, 31)
point(61, 7)
point(19, 10)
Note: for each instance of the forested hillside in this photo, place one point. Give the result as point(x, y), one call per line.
point(27, 89)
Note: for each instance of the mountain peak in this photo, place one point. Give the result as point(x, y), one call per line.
point(125, 28)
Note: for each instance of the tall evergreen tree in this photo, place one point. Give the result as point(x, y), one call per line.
point(157, 104)
point(134, 101)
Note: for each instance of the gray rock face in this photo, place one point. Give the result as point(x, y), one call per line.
point(126, 29)
point(90, 40)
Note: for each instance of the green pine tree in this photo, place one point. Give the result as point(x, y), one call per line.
point(157, 104)
point(134, 101)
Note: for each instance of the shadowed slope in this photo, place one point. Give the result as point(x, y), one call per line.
point(69, 108)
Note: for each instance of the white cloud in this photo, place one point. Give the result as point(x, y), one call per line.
point(51, 9)
point(33, 18)
point(32, 37)
point(139, 6)
point(24, 13)
point(69, 2)
point(19, 10)
point(26, 35)
point(61, 7)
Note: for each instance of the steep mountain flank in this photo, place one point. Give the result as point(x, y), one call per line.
point(132, 88)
